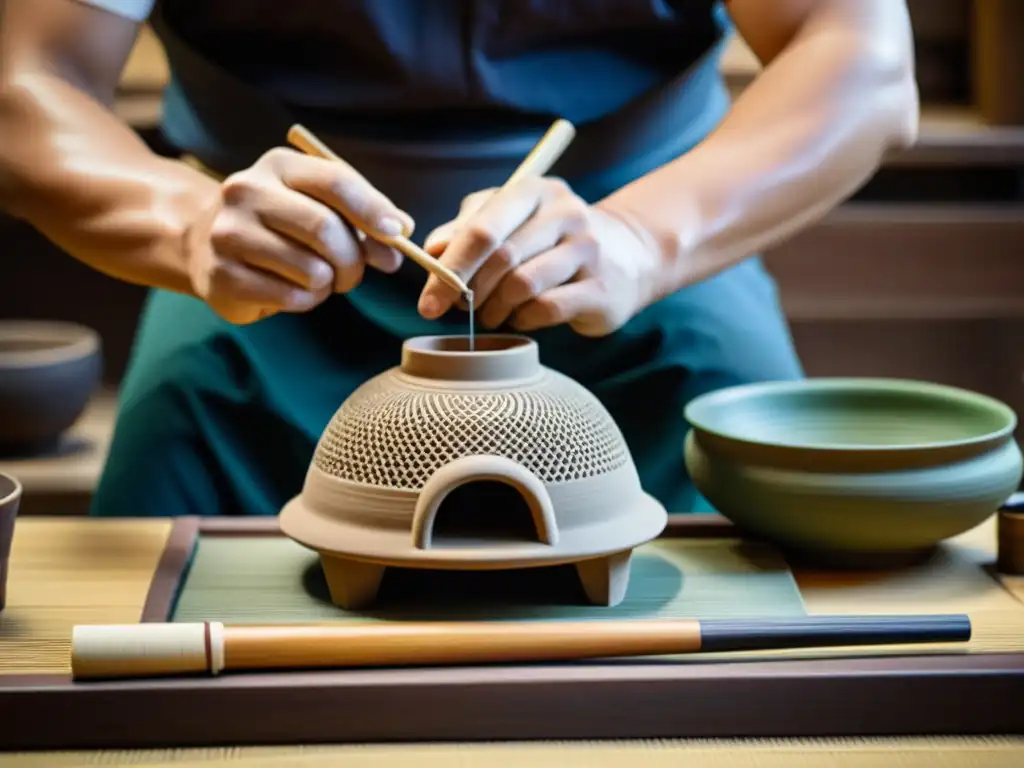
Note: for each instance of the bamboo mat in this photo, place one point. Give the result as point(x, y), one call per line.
point(951, 752)
point(1015, 585)
point(249, 580)
point(960, 578)
point(258, 579)
point(67, 571)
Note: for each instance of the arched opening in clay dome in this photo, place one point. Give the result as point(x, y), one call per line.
point(484, 513)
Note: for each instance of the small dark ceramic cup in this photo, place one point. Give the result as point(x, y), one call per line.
point(48, 372)
point(10, 500)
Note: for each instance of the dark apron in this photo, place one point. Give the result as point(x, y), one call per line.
point(219, 419)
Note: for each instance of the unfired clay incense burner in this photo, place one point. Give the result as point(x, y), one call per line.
point(472, 460)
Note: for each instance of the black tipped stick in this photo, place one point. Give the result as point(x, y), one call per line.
point(827, 631)
point(147, 649)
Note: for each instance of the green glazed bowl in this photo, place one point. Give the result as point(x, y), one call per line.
point(853, 472)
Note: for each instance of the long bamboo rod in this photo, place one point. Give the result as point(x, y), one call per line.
point(160, 649)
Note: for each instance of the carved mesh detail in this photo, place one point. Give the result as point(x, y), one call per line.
point(387, 434)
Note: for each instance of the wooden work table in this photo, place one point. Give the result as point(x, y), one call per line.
point(957, 752)
point(117, 587)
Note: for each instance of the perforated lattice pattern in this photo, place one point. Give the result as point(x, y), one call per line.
point(390, 435)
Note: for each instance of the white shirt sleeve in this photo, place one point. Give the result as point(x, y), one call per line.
point(136, 10)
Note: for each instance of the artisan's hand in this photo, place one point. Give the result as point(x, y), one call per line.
point(536, 255)
point(276, 242)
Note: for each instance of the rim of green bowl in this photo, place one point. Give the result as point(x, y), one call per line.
point(696, 410)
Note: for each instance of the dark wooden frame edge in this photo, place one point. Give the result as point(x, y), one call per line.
point(171, 569)
point(930, 694)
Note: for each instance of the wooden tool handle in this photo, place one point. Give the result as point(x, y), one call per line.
point(546, 152)
point(139, 650)
point(143, 650)
point(303, 139)
point(431, 644)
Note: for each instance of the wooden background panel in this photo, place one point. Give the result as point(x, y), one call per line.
point(1009, 380)
point(983, 355)
point(956, 352)
point(940, 20)
point(997, 60)
point(891, 261)
point(943, 37)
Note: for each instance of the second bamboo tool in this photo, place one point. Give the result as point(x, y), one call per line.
point(545, 152)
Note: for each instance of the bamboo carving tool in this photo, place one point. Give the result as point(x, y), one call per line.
point(538, 162)
point(304, 140)
point(158, 649)
point(545, 153)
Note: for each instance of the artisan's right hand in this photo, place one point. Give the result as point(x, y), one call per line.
point(277, 242)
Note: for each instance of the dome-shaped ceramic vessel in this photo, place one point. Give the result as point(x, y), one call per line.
point(472, 460)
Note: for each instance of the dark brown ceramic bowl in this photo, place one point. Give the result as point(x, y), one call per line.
point(853, 472)
point(10, 499)
point(48, 372)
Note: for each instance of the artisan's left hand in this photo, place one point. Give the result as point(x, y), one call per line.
point(536, 255)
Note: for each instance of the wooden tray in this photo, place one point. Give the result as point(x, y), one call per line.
point(877, 693)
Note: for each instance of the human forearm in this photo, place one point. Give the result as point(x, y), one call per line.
point(87, 182)
point(802, 138)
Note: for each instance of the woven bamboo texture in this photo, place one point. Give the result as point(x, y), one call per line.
point(960, 578)
point(988, 752)
point(67, 571)
point(258, 579)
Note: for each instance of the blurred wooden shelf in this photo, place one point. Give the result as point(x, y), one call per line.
point(901, 262)
point(803, 309)
point(949, 136)
point(981, 355)
point(63, 484)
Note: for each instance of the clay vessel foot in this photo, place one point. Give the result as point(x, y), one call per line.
point(353, 584)
point(605, 579)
